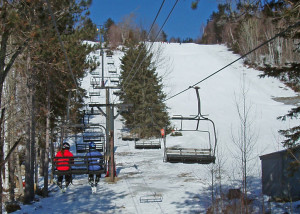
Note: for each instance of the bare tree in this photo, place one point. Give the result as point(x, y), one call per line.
point(244, 139)
point(114, 36)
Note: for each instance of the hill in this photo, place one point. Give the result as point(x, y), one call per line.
point(186, 188)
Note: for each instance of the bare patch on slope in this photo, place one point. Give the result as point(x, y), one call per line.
point(288, 100)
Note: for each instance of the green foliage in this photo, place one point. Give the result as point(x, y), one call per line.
point(195, 4)
point(109, 22)
point(143, 89)
point(164, 36)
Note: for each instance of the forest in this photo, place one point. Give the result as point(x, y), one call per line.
point(39, 81)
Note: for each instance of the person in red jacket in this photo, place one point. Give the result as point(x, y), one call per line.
point(62, 164)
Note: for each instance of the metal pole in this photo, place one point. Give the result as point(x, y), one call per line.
point(102, 57)
point(107, 122)
point(111, 160)
point(112, 150)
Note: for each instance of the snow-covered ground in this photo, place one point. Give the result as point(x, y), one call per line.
point(185, 188)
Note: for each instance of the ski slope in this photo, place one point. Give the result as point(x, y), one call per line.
point(184, 188)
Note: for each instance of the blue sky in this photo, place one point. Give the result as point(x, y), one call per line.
point(183, 22)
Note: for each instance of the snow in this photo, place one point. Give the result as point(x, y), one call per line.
point(184, 188)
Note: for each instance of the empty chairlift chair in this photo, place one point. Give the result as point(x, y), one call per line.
point(148, 143)
point(92, 132)
point(112, 69)
point(95, 81)
point(205, 153)
point(95, 72)
point(94, 92)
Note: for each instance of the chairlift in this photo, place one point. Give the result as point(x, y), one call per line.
point(92, 111)
point(127, 135)
point(95, 72)
point(90, 133)
point(204, 155)
point(114, 80)
point(95, 81)
point(112, 70)
point(79, 165)
point(110, 61)
point(151, 198)
point(118, 92)
point(149, 143)
point(94, 92)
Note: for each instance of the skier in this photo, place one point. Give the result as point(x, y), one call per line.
point(94, 164)
point(64, 162)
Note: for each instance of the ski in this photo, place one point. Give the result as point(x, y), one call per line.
point(62, 188)
point(94, 189)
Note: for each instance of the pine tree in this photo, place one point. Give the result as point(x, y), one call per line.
point(143, 89)
point(292, 71)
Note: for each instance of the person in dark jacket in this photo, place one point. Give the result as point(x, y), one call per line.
point(94, 164)
point(63, 164)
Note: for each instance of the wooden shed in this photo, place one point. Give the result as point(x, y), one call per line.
point(281, 174)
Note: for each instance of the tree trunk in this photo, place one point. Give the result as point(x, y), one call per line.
point(36, 169)
point(12, 184)
point(1, 150)
point(42, 161)
point(30, 156)
point(45, 191)
point(21, 190)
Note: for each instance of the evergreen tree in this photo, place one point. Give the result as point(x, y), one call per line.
point(290, 72)
point(143, 89)
point(109, 22)
point(164, 36)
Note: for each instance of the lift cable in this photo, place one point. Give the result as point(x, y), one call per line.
point(153, 41)
point(147, 38)
point(243, 56)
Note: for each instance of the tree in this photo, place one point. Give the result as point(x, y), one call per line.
point(245, 139)
point(41, 62)
point(164, 36)
point(107, 25)
point(15, 26)
point(143, 89)
point(290, 72)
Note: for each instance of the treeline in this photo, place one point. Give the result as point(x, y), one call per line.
point(245, 25)
point(251, 24)
point(39, 71)
point(127, 31)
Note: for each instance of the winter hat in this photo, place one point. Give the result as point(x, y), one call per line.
point(66, 146)
point(92, 145)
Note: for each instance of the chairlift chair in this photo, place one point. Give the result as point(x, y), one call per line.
point(151, 198)
point(149, 143)
point(95, 81)
point(93, 133)
point(95, 73)
point(92, 111)
point(110, 61)
point(193, 155)
point(79, 165)
point(112, 70)
point(94, 92)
